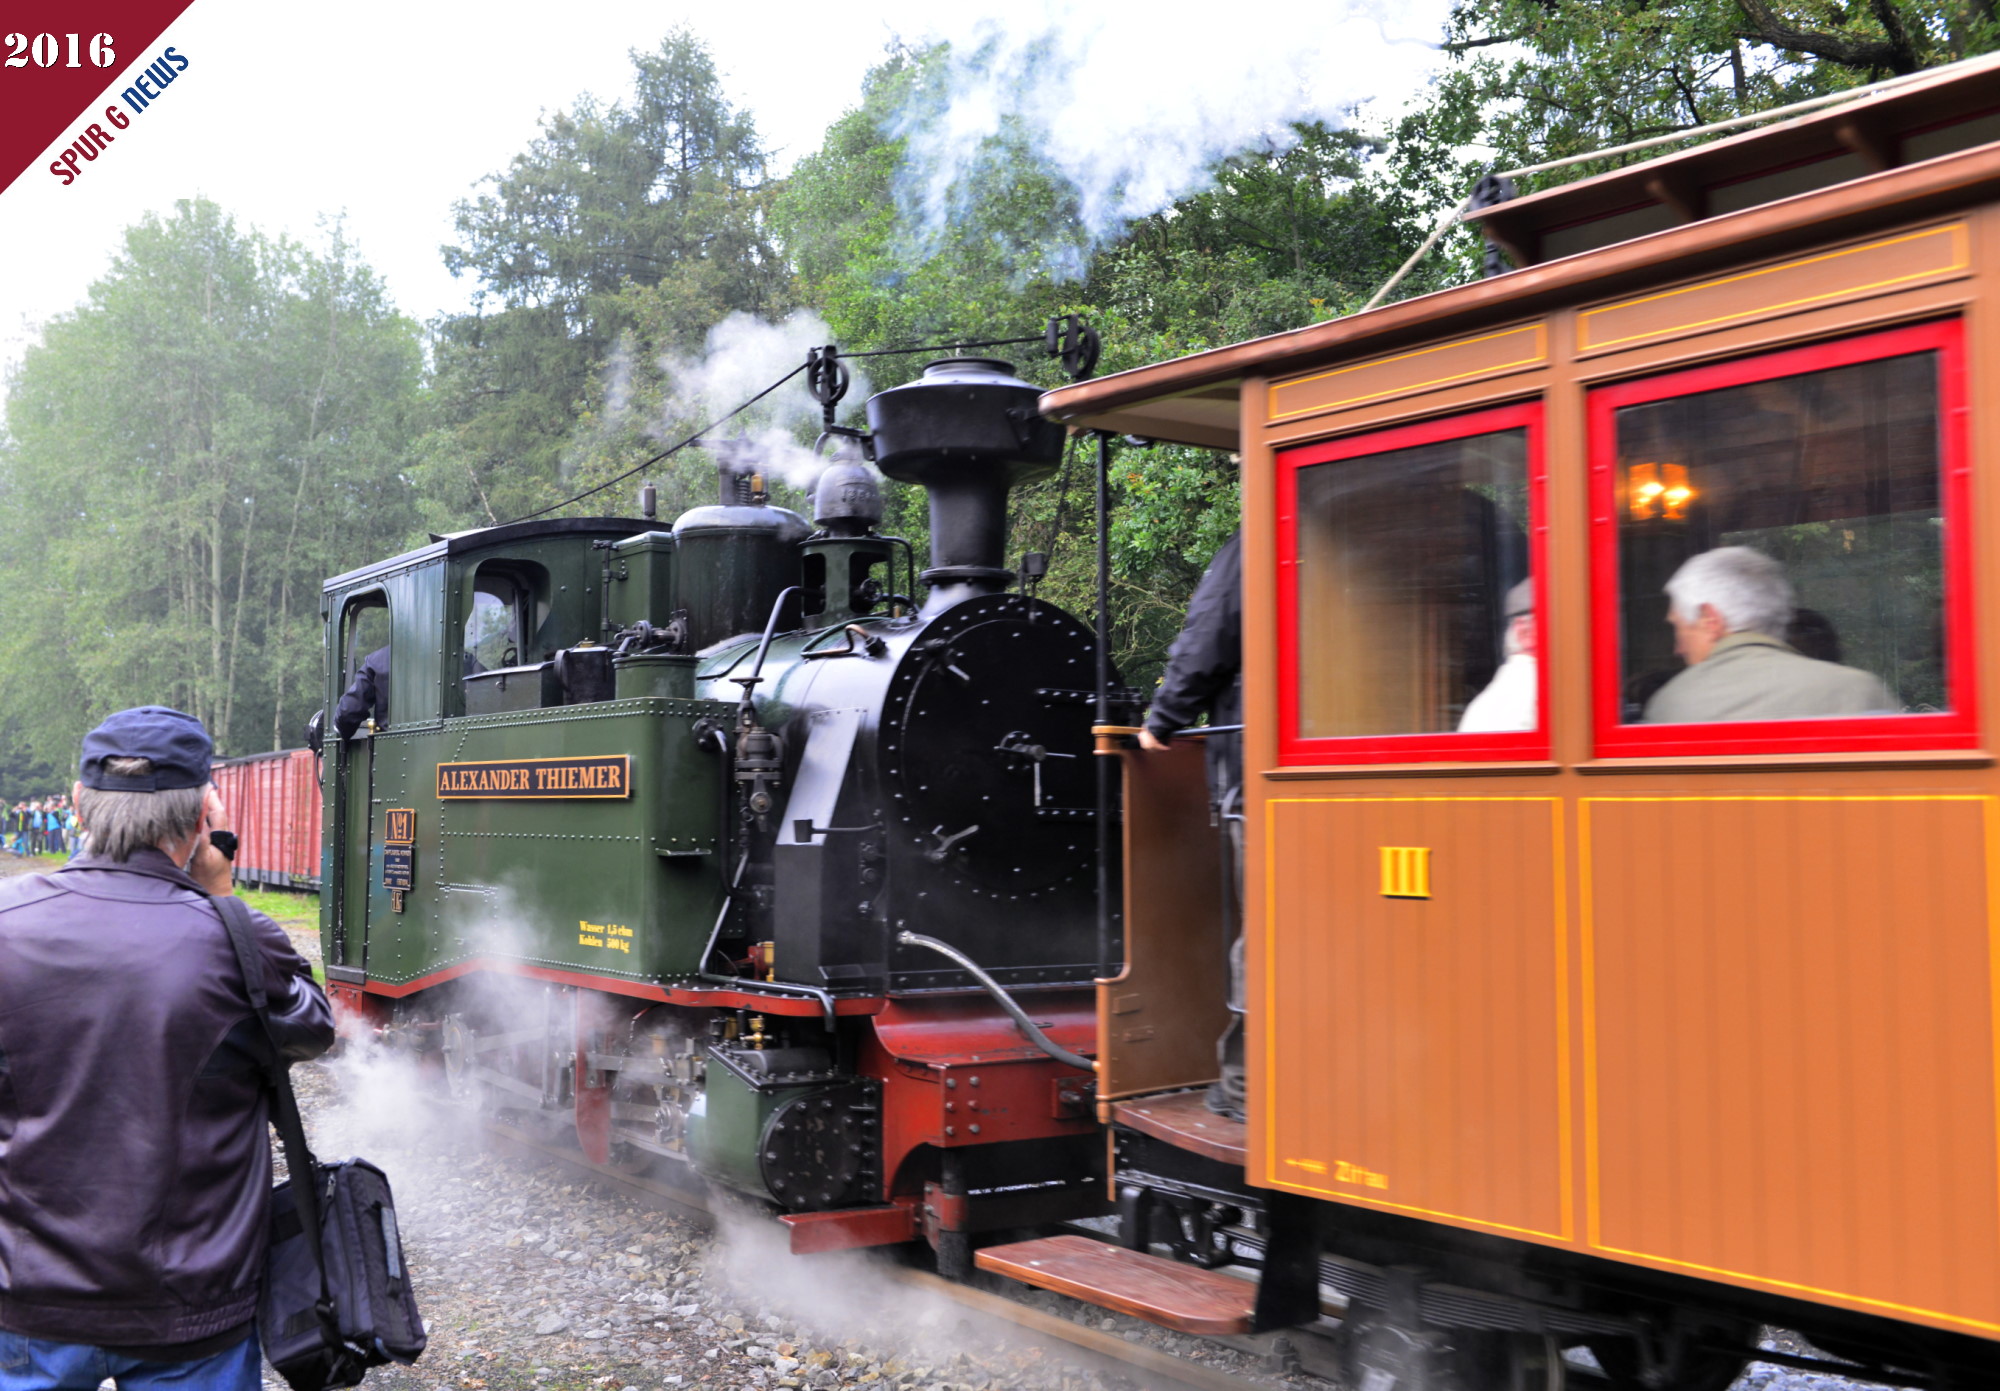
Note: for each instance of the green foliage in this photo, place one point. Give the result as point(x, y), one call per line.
point(1548, 78)
point(22, 775)
point(620, 233)
point(186, 456)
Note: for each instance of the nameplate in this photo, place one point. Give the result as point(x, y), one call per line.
point(596, 776)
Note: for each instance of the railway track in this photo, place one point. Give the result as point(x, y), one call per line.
point(1090, 1348)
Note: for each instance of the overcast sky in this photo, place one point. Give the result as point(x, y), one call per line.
point(388, 112)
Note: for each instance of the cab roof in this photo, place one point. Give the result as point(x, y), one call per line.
point(482, 538)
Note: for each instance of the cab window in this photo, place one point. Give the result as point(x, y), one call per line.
point(493, 627)
point(1410, 593)
point(1777, 552)
point(364, 632)
point(367, 620)
point(504, 615)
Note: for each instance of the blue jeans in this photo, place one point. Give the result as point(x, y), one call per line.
point(36, 1364)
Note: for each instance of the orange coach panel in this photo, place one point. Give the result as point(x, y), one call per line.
point(1788, 1044)
point(1416, 1048)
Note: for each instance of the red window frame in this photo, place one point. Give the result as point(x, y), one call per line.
point(1957, 728)
point(1441, 746)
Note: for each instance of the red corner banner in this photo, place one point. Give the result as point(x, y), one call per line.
point(59, 61)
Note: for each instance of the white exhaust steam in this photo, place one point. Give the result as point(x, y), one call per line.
point(1127, 108)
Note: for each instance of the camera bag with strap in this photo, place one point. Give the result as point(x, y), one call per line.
point(337, 1298)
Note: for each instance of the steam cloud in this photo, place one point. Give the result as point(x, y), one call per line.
point(742, 355)
point(1128, 107)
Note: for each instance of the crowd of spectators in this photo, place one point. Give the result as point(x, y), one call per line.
point(38, 826)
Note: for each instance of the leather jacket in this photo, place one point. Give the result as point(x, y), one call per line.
point(135, 1159)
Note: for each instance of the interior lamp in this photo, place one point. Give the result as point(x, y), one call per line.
point(1657, 490)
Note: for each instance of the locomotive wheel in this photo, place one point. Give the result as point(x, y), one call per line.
point(458, 1058)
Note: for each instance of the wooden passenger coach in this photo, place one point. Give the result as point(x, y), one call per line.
point(1709, 997)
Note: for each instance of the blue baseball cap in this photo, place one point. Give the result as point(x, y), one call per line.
point(178, 747)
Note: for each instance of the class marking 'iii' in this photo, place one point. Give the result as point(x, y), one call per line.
point(1406, 871)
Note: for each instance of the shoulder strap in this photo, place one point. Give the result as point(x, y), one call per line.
point(299, 1160)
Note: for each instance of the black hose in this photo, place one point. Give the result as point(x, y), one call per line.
point(1020, 1016)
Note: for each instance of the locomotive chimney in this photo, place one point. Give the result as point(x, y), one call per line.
point(968, 431)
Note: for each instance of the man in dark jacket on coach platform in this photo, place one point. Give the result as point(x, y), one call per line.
point(1204, 676)
point(135, 1162)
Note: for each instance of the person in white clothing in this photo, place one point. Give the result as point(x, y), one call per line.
point(1509, 701)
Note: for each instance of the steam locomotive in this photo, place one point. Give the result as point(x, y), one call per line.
point(710, 843)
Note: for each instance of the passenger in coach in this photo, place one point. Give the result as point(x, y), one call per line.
point(1510, 701)
point(1729, 608)
point(135, 1158)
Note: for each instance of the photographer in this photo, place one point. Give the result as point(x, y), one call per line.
point(135, 1166)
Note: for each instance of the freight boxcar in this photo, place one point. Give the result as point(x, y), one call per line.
point(274, 803)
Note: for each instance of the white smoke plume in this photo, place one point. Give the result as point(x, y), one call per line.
point(1128, 107)
point(742, 355)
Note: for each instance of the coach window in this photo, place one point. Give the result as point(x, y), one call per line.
point(1410, 593)
point(1781, 553)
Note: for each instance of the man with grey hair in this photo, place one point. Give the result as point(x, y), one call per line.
point(1729, 608)
point(135, 1164)
point(1511, 701)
